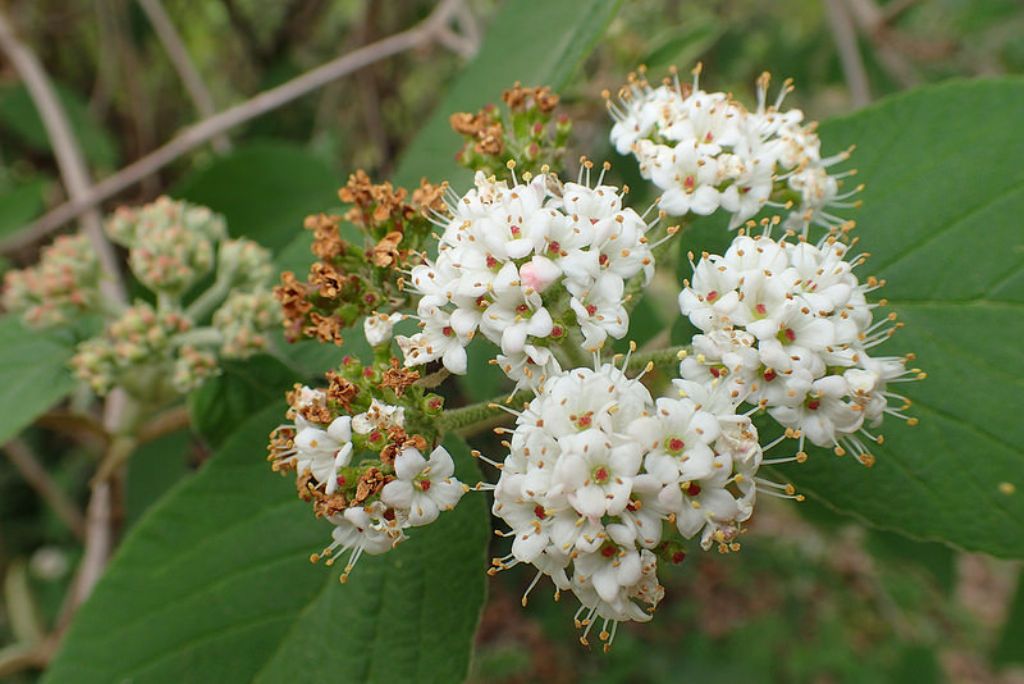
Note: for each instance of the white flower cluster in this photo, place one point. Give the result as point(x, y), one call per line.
point(526, 265)
point(422, 486)
point(786, 326)
point(706, 152)
point(596, 469)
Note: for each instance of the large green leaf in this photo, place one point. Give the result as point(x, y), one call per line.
point(242, 388)
point(264, 190)
point(214, 584)
point(19, 117)
point(20, 204)
point(941, 214)
point(537, 42)
point(33, 375)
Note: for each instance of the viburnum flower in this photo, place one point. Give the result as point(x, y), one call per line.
point(358, 461)
point(597, 471)
point(378, 327)
point(706, 151)
point(533, 265)
point(423, 487)
point(786, 326)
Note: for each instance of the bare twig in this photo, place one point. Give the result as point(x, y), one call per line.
point(72, 166)
point(849, 54)
point(164, 424)
point(871, 20)
point(28, 465)
point(425, 32)
point(187, 72)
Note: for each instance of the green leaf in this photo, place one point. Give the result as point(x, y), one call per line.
point(264, 190)
point(152, 470)
point(564, 33)
point(33, 375)
point(18, 115)
point(20, 204)
point(242, 389)
point(941, 214)
point(215, 584)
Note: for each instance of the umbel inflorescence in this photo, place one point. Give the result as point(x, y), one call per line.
point(208, 298)
point(603, 480)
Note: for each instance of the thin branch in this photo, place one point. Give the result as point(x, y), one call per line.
point(871, 20)
point(849, 53)
point(182, 63)
point(72, 166)
point(425, 32)
point(164, 424)
point(118, 411)
point(28, 465)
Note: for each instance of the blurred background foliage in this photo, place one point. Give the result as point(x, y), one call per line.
point(813, 597)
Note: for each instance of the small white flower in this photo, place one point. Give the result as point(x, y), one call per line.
point(379, 416)
point(377, 327)
point(424, 487)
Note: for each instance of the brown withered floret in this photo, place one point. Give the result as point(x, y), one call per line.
point(327, 242)
point(358, 190)
point(546, 99)
point(294, 305)
point(429, 197)
point(328, 505)
point(325, 328)
point(316, 412)
point(386, 252)
point(327, 279)
point(369, 484)
point(519, 98)
point(491, 141)
point(466, 123)
point(340, 390)
point(305, 486)
point(398, 439)
point(398, 379)
point(390, 203)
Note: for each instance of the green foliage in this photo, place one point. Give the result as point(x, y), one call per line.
point(942, 211)
point(564, 34)
point(264, 190)
point(933, 188)
point(214, 583)
point(20, 204)
point(19, 117)
point(227, 400)
point(35, 376)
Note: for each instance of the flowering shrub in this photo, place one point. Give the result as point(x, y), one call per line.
point(601, 481)
point(526, 360)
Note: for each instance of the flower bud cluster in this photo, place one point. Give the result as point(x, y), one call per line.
point(526, 132)
point(601, 481)
point(157, 351)
point(170, 243)
point(61, 287)
point(786, 325)
point(707, 152)
point(141, 351)
point(364, 455)
point(533, 266)
point(244, 320)
point(349, 280)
